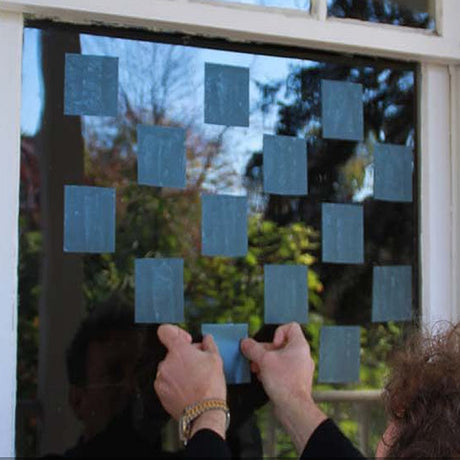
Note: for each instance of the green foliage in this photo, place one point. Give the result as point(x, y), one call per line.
point(30, 252)
point(217, 289)
point(231, 290)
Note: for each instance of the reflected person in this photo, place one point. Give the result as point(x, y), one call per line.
point(102, 365)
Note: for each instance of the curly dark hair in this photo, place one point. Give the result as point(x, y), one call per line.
point(422, 396)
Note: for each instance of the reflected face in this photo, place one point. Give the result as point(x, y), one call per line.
point(110, 381)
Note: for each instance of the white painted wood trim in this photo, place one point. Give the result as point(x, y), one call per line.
point(10, 95)
point(269, 25)
point(437, 248)
point(439, 17)
point(455, 178)
point(319, 9)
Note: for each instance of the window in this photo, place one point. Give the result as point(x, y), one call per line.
point(162, 83)
point(412, 13)
point(292, 4)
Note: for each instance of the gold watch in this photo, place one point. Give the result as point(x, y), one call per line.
point(193, 411)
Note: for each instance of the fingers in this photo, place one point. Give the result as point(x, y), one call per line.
point(208, 344)
point(252, 350)
point(171, 335)
point(288, 333)
point(159, 381)
point(280, 337)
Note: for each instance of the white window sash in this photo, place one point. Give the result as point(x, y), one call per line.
point(269, 25)
point(10, 115)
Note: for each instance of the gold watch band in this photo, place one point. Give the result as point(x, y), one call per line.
point(193, 411)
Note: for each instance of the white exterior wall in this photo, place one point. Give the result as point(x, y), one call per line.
point(439, 55)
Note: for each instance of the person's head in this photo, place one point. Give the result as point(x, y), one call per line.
point(100, 362)
point(422, 398)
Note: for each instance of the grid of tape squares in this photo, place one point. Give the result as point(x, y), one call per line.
point(91, 88)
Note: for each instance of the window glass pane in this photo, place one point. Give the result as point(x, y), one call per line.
point(162, 82)
point(294, 4)
point(412, 13)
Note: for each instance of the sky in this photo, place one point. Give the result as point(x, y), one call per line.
point(32, 87)
point(293, 4)
point(137, 78)
point(238, 143)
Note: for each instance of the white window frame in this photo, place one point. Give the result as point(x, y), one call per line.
point(437, 52)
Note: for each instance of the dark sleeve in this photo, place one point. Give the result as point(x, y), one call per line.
point(327, 441)
point(206, 444)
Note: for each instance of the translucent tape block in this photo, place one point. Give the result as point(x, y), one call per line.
point(90, 85)
point(89, 219)
point(224, 225)
point(342, 233)
point(342, 110)
point(393, 166)
point(339, 354)
point(392, 293)
point(227, 338)
point(285, 165)
point(226, 95)
point(161, 157)
point(286, 294)
point(159, 290)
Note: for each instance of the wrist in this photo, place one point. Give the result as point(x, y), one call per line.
point(300, 417)
point(215, 420)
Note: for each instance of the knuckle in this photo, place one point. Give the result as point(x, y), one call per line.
point(160, 367)
point(157, 386)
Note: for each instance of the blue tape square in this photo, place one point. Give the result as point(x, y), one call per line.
point(286, 294)
point(228, 338)
point(161, 156)
point(342, 110)
point(285, 165)
point(89, 219)
point(224, 229)
point(159, 290)
point(392, 293)
point(339, 354)
point(393, 166)
point(226, 95)
point(342, 233)
point(90, 85)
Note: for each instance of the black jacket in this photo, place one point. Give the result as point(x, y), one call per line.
point(327, 441)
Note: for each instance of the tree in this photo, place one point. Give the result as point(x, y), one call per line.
point(337, 172)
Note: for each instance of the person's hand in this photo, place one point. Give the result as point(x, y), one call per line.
point(189, 374)
point(285, 368)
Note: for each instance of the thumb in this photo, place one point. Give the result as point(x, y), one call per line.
point(288, 333)
point(171, 335)
point(252, 350)
point(208, 344)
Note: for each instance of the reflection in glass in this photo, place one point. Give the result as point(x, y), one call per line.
point(163, 84)
point(292, 4)
point(411, 13)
